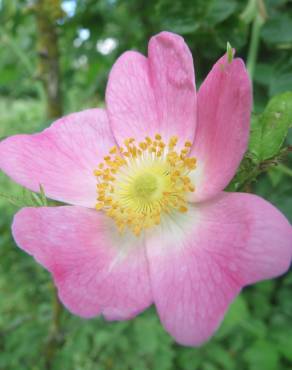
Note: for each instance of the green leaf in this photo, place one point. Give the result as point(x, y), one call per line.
point(255, 327)
point(278, 30)
point(220, 11)
point(280, 82)
point(249, 12)
point(275, 176)
point(182, 26)
point(282, 335)
point(264, 73)
point(238, 312)
point(270, 129)
point(15, 200)
point(29, 199)
point(262, 355)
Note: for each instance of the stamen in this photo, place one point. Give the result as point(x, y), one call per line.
point(140, 182)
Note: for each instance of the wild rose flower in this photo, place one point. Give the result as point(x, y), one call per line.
point(149, 222)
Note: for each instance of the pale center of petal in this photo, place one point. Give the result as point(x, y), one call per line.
point(139, 183)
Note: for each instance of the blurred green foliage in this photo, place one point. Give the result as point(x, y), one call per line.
point(257, 331)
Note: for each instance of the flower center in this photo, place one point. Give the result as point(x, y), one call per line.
point(144, 186)
point(138, 183)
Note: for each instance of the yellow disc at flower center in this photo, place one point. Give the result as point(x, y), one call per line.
point(145, 186)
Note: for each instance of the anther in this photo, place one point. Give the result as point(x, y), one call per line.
point(117, 193)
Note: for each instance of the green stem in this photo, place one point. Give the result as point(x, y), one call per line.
point(284, 169)
point(254, 45)
point(55, 331)
point(259, 20)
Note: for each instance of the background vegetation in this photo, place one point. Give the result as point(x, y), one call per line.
point(73, 44)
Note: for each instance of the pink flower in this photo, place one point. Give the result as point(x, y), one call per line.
point(149, 222)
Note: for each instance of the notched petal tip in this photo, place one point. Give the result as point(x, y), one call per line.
point(168, 38)
point(171, 48)
point(172, 75)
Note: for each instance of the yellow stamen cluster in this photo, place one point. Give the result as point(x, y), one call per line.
point(138, 183)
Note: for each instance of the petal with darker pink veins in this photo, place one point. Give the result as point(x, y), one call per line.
point(173, 80)
point(62, 158)
point(224, 109)
point(96, 270)
point(130, 99)
point(154, 95)
point(199, 263)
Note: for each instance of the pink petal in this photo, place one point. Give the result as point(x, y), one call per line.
point(62, 158)
point(130, 100)
point(199, 264)
point(224, 108)
point(173, 80)
point(155, 95)
point(95, 269)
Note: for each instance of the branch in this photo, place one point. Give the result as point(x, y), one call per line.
point(47, 14)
